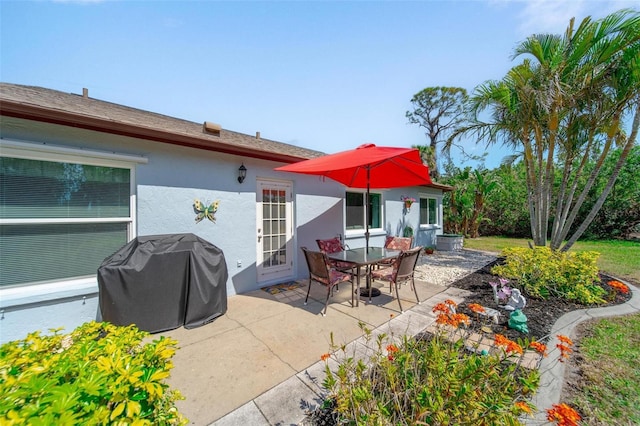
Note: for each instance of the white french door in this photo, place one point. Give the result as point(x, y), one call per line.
point(274, 230)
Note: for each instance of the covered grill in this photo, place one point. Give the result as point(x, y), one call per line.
point(162, 282)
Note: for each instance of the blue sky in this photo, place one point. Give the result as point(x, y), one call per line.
point(322, 75)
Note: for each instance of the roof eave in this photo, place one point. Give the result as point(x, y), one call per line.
point(53, 116)
point(441, 186)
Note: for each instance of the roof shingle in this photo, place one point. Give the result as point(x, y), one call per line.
point(42, 104)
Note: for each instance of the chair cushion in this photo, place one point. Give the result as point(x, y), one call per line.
point(340, 265)
point(332, 245)
point(398, 243)
point(338, 277)
point(335, 277)
point(383, 274)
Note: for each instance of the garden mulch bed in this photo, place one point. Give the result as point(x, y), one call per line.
point(541, 314)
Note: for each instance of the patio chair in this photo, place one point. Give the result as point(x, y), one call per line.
point(395, 243)
point(398, 243)
point(334, 245)
point(401, 270)
point(321, 272)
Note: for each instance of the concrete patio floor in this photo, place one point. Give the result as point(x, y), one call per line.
point(235, 364)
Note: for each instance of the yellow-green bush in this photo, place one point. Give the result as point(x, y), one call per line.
point(98, 374)
point(543, 272)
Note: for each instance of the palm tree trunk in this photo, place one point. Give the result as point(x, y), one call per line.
point(566, 226)
point(612, 180)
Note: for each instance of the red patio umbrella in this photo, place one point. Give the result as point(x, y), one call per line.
point(368, 166)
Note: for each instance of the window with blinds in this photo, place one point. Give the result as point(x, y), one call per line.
point(59, 220)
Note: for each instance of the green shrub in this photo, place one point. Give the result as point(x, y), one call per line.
point(97, 374)
point(543, 272)
point(432, 381)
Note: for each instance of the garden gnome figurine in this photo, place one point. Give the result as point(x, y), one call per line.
point(518, 321)
point(516, 301)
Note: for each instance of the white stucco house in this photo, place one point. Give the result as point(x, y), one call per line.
point(81, 177)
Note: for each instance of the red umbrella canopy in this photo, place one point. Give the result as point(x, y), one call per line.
point(368, 166)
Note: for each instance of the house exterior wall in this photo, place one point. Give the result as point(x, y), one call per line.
point(165, 189)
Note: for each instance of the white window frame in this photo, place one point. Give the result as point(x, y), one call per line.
point(438, 199)
point(360, 232)
point(74, 286)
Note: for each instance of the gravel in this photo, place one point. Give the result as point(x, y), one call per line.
point(445, 267)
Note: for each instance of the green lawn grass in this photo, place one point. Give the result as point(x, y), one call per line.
point(610, 392)
point(620, 259)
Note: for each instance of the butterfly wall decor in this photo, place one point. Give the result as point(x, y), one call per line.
point(203, 211)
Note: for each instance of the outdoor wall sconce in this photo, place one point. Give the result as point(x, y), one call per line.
point(242, 173)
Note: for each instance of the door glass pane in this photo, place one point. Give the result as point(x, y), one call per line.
point(275, 228)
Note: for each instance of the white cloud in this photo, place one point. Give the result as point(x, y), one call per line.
point(553, 16)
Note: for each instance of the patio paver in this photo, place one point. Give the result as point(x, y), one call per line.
point(229, 369)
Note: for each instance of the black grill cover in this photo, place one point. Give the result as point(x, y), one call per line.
point(162, 282)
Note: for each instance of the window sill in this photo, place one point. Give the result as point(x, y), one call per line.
point(50, 292)
point(429, 227)
point(359, 233)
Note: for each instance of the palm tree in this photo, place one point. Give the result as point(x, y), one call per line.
point(564, 105)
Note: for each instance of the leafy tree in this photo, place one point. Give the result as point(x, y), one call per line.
point(483, 186)
point(506, 205)
point(620, 214)
point(564, 105)
point(464, 206)
point(439, 110)
point(458, 204)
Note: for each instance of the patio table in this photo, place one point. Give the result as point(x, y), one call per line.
point(361, 257)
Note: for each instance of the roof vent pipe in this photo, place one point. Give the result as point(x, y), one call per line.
point(85, 92)
point(257, 135)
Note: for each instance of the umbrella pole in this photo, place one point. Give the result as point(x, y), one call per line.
point(368, 212)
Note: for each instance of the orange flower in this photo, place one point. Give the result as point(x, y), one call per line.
point(510, 345)
point(450, 302)
point(392, 348)
point(565, 339)
point(514, 347)
point(442, 319)
point(523, 406)
point(541, 348)
point(563, 415)
point(478, 309)
point(460, 319)
point(324, 357)
point(453, 320)
point(500, 340)
point(441, 307)
point(565, 351)
point(619, 286)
